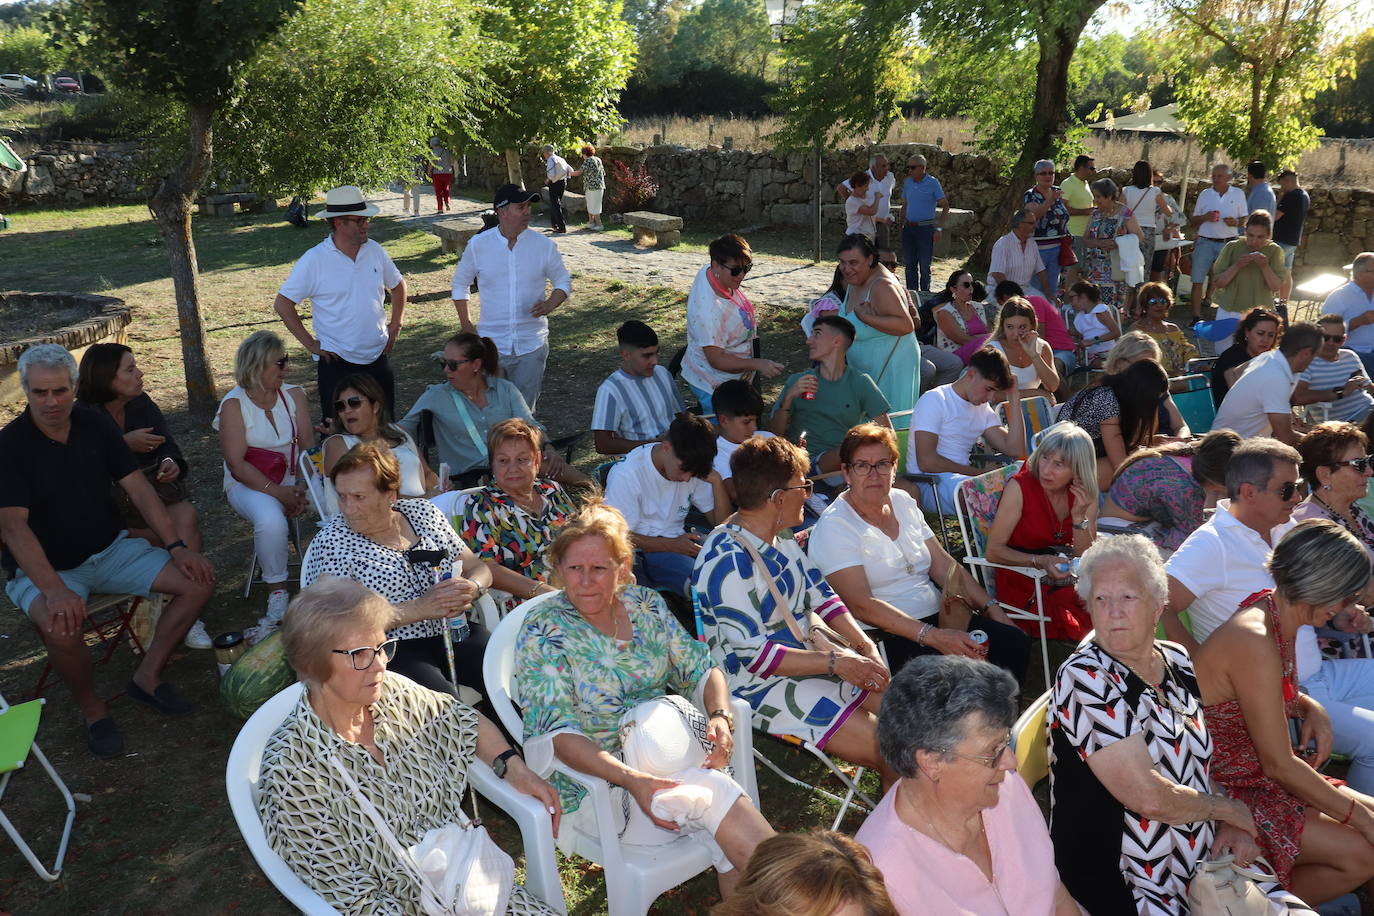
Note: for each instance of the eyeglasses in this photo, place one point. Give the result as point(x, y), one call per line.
point(1045, 173)
point(1333, 338)
point(809, 487)
point(1287, 491)
point(355, 401)
point(1361, 465)
point(452, 364)
point(864, 468)
point(363, 656)
point(736, 271)
point(356, 220)
point(281, 363)
point(987, 760)
point(967, 284)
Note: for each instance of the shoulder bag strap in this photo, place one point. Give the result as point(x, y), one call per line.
point(784, 607)
point(383, 829)
point(290, 419)
point(468, 424)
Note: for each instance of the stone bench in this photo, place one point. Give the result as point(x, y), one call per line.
point(572, 203)
point(655, 230)
point(223, 204)
point(454, 234)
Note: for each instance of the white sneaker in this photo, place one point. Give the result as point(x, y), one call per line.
point(197, 638)
point(276, 604)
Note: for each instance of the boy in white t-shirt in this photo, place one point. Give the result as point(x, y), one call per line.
point(738, 408)
point(655, 487)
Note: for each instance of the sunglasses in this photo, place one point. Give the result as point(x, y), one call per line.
point(1361, 465)
point(355, 401)
point(1287, 491)
point(452, 364)
point(1156, 301)
point(809, 487)
point(736, 271)
point(1333, 338)
point(281, 363)
point(363, 656)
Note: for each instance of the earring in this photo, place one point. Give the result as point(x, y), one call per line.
point(1326, 486)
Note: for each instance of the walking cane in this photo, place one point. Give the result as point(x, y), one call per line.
point(440, 568)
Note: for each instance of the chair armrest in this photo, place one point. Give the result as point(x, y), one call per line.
point(742, 759)
point(599, 794)
point(1029, 572)
point(536, 832)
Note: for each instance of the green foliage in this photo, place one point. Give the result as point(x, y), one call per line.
point(569, 61)
point(730, 34)
point(26, 12)
point(847, 65)
point(1346, 109)
point(1255, 68)
point(25, 49)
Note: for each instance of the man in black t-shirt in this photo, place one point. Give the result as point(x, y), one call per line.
point(64, 539)
point(1288, 222)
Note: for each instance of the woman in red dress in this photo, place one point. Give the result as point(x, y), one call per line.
point(1048, 515)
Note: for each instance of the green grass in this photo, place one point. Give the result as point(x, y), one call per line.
point(792, 242)
point(157, 835)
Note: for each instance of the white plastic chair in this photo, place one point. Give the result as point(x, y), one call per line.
point(241, 780)
point(635, 875)
point(452, 502)
point(318, 486)
point(18, 729)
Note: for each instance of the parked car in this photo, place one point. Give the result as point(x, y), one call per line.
point(17, 82)
point(66, 84)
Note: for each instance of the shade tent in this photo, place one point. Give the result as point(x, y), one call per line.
point(1163, 120)
point(8, 158)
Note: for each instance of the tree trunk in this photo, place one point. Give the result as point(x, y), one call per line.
point(513, 168)
point(171, 208)
point(1048, 120)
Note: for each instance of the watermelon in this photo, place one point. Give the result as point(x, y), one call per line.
point(259, 674)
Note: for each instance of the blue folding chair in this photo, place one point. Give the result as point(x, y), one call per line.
point(1195, 404)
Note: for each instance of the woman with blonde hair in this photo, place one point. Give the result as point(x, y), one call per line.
point(818, 873)
point(1017, 336)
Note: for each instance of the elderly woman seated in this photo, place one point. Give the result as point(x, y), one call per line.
point(819, 873)
point(360, 406)
point(586, 657)
point(409, 746)
point(1318, 837)
point(879, 555)
point(1047, 516)
point(1134, 812)
point(407, 552)
point(759, 596)
point(511, 521)
point(1164, 491)
point(959, 807)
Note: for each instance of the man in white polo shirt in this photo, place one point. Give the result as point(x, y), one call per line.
point(637, 402)
point(882, 181)
point(1355, 303)
point(346, 277)
point(521, 279)
point(1218, 216)
point(1260, 402)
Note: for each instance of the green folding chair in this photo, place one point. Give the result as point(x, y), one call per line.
point(18, 728)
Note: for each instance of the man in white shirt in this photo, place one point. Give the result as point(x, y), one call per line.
point(1336, 377)
point(654, 488)
point(882, 181)
point(1015, 256)
point(1355, 303)
point(947, 421)
point(556, 175)
point(515, 268)
point(637, 402)
point(1260, 402)
point(346, 277)
point(1218, 216)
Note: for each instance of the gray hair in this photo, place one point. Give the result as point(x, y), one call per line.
point(1071, 441)
point(918, 159)
point(1044, 164)
point(1363, 261)
point(928, 703)
point(1298, 337)
point(46, 356)
point(1133, 551)
point(1020, 214)
point(254, 353)
point(546, 148)
point(1221, 165)
point(875, 158)
point(1319, 563)
point(321, 615)
point(1105, 187)
point(1253, 462)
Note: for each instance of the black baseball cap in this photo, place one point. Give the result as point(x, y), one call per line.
point(512, 194)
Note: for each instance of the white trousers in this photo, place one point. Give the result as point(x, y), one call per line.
point(271, 528)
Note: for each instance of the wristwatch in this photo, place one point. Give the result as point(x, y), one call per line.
point(1081, 526)
point(175, 544)
point(722, 714)
point(498, 766)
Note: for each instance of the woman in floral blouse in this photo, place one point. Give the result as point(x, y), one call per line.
point(511, 522)
point(593, 174)
point(601, 648)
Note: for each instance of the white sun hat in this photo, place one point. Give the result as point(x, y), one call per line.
point(346, 201)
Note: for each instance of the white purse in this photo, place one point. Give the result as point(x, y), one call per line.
point(459, 869)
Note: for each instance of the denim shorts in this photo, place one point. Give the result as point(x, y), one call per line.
point(1288, 252)
point(1205, 251)
point(129, 566)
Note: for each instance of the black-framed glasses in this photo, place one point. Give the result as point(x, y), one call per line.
point(364, 656)
point(1287, 491)
point(809, 487)
point(452, 364)
point(281, 363)
point(738, 269)
point(355, 401)
point(864, 468)
point(1361, 465)
point(1333, 338)
point(988, 760)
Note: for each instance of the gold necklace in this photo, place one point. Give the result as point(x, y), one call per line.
point(1159, 690)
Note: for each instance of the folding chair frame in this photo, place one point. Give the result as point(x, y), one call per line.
point(109, 629)
point(27, 851)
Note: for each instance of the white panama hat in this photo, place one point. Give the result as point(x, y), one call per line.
point(346, 201)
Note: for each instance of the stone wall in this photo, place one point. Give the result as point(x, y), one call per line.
point(740, 188)
point(65, 174)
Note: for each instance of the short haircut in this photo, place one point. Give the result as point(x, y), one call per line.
point(1155, 290)
point(1081, 160)
point(918, 159)
point(481, 349)
point(1256, 169)
point(931, 703)
point(1288, 173)
point(1212, 455)
point(1331, 318)
point(808, 874)
point(99, 366)
point(253, 356)
point(1084, 288)
point(376, 459)
point(859, 179)
point(1020, 215)
point(1133, 551)
point(1014, 307)
point(1105, 187)
point(514, 430)
point(737, 398)
point(1261, 218)
point(1323, 445)
point(319, 618)
point(868, 434)
point(760, 466)
point(1319, 563)
point(843, 325)
point(636, 335)
point(1253, 462)
point(1005, 289)
point(693, 442)
point(1363, 261)
point(46, 356)
point(1072, 442)
point(1044, 164)
point(546, 148)
point(595, 520)
point(730, 246)
point(1301, 336)
point(1225, 167)
point(992, 365)
point(587, 151)
point(875, 159)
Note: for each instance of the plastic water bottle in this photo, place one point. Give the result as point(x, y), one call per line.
point(459, 629)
